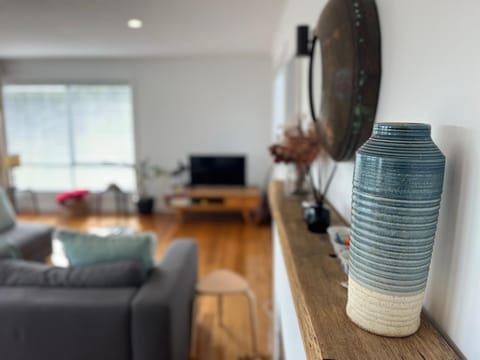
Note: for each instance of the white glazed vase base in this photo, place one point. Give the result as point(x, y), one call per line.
point(383, 314)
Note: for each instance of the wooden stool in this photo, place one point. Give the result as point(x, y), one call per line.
point(220, 283)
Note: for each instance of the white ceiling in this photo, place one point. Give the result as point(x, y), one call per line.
point(92, 28)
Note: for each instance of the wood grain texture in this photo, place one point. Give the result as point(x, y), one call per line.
point(232, 198)
point(225, 242)
point(320, 300)
point(213, 191)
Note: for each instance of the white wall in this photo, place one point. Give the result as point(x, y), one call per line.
point(307, 12)
point(181, 105)
point(431, 73)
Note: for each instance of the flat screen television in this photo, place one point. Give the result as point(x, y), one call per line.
point(217, 170)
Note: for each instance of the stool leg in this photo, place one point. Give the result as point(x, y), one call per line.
point(193, 335)
point(253, 319)
point(220, 309)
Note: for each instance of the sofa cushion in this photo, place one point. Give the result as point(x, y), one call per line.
point(27, 273)
point(31, 241)
point(87, 249)
point(7, 214)
point(7, 251)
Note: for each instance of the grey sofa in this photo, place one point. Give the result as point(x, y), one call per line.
point(30, 241)
point(151, 322)
point(23, 240)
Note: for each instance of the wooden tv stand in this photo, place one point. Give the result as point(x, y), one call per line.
point(243, 199)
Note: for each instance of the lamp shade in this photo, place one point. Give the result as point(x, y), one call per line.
point(11, 161)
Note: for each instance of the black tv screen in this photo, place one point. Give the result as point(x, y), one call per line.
point(217, 170)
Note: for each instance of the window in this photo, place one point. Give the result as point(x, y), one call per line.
point(70, 136)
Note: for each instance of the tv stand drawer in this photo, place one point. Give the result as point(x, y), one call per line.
point(234, 202)
point(216, 199)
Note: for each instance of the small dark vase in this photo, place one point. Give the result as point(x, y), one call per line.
point(145, 205)
point(317, 217)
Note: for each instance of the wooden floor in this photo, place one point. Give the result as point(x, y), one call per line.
point(224, 243)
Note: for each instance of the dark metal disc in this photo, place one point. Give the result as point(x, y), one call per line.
point(349, 35)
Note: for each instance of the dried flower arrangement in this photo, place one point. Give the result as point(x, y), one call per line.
point(301, 148)
point(298, 146)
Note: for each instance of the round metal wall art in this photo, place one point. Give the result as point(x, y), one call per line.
point(349, 35)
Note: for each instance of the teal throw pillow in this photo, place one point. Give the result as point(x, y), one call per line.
point(7, 214)
point(87, 249)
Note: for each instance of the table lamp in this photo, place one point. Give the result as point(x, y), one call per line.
point(11, 161)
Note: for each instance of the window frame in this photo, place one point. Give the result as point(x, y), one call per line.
point(73, 163)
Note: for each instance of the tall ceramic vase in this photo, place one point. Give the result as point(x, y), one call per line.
point(397, 188)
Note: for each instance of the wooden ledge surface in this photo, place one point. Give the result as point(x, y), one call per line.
point(320, 300)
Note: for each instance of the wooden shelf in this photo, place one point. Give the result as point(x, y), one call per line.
point(320, 300)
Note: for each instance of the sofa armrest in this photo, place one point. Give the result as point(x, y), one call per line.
point(162, 308)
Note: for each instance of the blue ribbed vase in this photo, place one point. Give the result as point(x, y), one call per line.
point(397, 186)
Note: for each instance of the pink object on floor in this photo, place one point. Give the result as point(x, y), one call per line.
point(72, 194)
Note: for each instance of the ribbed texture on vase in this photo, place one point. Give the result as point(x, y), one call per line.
point(389, 315)
point(397, 187)
point(410, 131)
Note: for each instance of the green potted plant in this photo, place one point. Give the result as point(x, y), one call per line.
point(145, 171)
